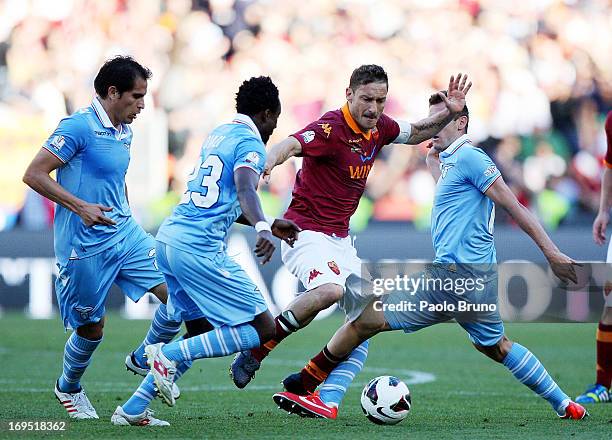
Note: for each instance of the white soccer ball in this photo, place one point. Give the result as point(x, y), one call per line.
point(385, 400)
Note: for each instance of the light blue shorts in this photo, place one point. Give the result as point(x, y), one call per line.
point(429, 306)
point(215, 288)
point(83, 284)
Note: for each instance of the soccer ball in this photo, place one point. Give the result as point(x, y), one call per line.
point(385, 400)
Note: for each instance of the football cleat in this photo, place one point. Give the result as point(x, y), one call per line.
point(305, 406)
point(77, 404)
point(573, 411)
point(595, 394)
point(120, 418)
point(243, 368)
point(132, 365)
point(163, 370)
point(293, 384)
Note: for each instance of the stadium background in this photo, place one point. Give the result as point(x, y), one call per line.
point(541, 72)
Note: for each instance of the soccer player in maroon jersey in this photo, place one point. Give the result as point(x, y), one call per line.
point(339, 151)
point(600, 390)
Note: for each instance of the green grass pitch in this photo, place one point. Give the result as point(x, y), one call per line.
point(456, 391)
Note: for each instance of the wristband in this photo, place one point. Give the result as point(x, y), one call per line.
point(262, 226)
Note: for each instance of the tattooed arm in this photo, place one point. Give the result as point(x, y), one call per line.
point(454, 99)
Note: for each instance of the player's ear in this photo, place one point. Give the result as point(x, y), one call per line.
point(462, 122)
point(113, 93)
point(349, 94)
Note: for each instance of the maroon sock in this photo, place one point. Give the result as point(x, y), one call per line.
point(283, 329)
point(318, 368)
point(604, 355)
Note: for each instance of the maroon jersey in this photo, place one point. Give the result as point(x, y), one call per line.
point(338, 157)
point(608, 158)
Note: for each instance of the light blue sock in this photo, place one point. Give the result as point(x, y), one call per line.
point(145, 393)
point(162, 329)
point(335, 386)
point(77, 355)
point(219, 342)
point(529, 371)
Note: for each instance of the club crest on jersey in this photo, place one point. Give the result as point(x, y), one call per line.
point(57, 142)
point(334, 267)
point(252, 158)
point(313, 274)
point(326, 129)
point(308, 136)
point(444, 169)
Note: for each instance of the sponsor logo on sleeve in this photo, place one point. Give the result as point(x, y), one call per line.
point(490, 171)
point(57, 142)
point(308, 136)
point(252, 158)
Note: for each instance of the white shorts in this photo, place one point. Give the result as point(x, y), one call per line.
point(608, 286)
point(317, 258)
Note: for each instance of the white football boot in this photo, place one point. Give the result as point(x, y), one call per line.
point(77, 405)
point(120, 418)
point(132, 365)
point(163, 370)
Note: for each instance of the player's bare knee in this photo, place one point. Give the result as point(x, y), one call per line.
point(497, 352)
point(368, 326)
point(92, 331)
point(328, 294)
point(265, 326)
point(161, 292)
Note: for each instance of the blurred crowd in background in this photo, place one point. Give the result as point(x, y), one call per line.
point(541, 69)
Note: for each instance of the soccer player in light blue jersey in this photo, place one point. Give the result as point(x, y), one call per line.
point(223, 309)
point(97, 241)
point(469, 186)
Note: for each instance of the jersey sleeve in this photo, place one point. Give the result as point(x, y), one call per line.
point(478, 168)
point(314, 139)
point(390, 130)
point(250, 153)
point(67, 139)
point(608, 127)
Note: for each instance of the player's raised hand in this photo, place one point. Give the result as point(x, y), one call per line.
point(93, 214)
point(599, 227)
point(264, 248)
point(457, 89)
point(563, 267)
point(286, 230)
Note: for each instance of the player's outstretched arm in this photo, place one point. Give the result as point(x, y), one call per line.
point(603, 216)
point(246, 181)
point(37, 177)
point(561, 264)
point(279, 153)
point(454, 101)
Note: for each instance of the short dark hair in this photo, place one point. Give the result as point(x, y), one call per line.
point(435, 99)
point(366, 74)
point(121, 72)
point(256, 95)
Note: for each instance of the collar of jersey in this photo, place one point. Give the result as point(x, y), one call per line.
point(461, 140)
point(103, 116)
point(246, 120)
point(351, 122)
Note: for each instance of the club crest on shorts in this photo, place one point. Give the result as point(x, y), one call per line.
point(334, 267)
point(84, 311)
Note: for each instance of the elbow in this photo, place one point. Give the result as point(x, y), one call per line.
point(28, 178)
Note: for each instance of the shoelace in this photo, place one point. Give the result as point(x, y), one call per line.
point(81, 400)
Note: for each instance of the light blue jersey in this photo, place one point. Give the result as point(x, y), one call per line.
point(96, 157)
point(200, 222)
point(462, 216)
